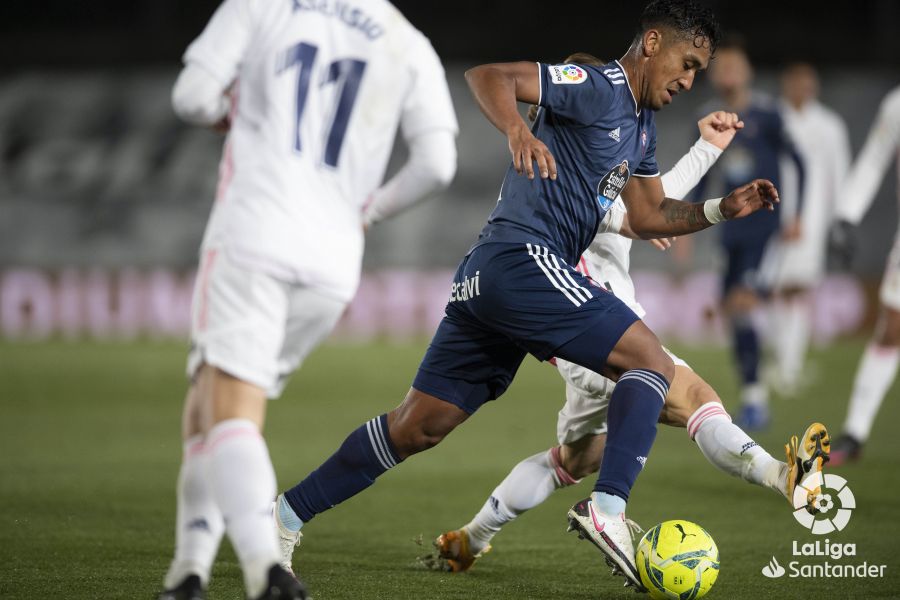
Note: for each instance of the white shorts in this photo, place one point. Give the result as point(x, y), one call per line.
point(253, 326)
point(587, 398)
point(890, 285)
point(786, 264)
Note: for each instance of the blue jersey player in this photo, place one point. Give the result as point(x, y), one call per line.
point(516, 291)
point(755, 153)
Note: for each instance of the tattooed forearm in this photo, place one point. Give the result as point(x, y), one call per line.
point(683, 217)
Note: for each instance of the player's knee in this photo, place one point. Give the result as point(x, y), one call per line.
point(889, 334)
point(583, 464)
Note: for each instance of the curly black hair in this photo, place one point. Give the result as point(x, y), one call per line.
point(687, 17)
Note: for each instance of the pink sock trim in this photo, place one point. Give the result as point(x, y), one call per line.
point(704, 413)
point(220, 434)
point(561, 473)
point(883, 351)
point(194, 446)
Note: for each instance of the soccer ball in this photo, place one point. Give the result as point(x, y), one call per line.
point(677, 559)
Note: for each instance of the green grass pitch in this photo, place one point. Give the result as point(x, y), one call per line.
point(89, 452)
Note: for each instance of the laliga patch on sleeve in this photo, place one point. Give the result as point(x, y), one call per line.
point(567, 74)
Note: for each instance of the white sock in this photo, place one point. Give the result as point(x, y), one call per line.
point(793, 331)
point(874, 377)
point(198, 524)
point(726, 446)
point(754, 394)
point(527, 485)
point(243, 482)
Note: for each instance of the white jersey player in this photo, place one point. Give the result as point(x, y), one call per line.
point(793, 266)
point(312, 94)
point(878, 368)
point(581, 426)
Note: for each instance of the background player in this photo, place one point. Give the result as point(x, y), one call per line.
point(795, 266)
point(878, 367)
point(316, 99)
point(515, 292)
point(581, 427)
point(755, 153)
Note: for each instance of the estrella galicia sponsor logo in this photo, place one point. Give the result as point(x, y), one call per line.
point(773, 569)
point(612, 184)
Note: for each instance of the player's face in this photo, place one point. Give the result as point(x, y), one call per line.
point(800, 85)
point(730, 71)
point(673, 69)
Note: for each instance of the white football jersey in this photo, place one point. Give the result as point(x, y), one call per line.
point(320, 88)
point(882, 145)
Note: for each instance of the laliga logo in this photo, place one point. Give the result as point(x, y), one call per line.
point(833, 521)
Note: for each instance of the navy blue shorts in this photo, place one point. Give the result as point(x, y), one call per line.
point(743, 260)
point(508, 300)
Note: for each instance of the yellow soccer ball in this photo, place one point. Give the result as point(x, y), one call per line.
point(677, 559)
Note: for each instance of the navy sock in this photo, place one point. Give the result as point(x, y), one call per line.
point(364, 455)
point(746, 349)
point(633, 412)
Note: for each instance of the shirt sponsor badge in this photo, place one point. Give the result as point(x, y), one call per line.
point(612, 184)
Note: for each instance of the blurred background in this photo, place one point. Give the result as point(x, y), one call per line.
point(104, 193)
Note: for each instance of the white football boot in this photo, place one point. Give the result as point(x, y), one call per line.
point(287, 540)
point(613, 535)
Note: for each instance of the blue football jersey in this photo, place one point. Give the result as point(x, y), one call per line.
point(592, 125)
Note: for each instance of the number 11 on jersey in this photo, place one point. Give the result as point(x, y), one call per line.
point(345, 73)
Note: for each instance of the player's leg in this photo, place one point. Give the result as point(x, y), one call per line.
point(581, 432)
point(740, 300)
point(198, 524)
point(874, 377)
point(465, 366)
point(791, 329)
point(643, 371)
point(238, 329)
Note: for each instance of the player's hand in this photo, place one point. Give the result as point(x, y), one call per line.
point(527, 150)
point(842, 244)
point(747, 199)
point(662, 243)
point(719, 128)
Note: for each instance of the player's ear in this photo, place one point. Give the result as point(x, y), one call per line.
point(651, 42)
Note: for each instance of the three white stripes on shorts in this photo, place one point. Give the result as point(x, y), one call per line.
point(559, 275)
point(652, 379)
point(380, 443)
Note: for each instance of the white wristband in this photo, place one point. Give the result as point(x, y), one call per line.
point(712, 211)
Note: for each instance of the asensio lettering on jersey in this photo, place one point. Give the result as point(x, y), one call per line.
point(351, 15)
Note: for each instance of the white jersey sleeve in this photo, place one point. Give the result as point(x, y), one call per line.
point(690, 169)
point(428, 105)
point(221, 48)
point(865, 176)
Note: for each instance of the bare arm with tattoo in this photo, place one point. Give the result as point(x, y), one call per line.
point(652, 215)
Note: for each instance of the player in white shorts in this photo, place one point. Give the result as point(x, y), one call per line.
point(581, 426)
point(878, 367)
point(312, 95)
point(791, 268)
